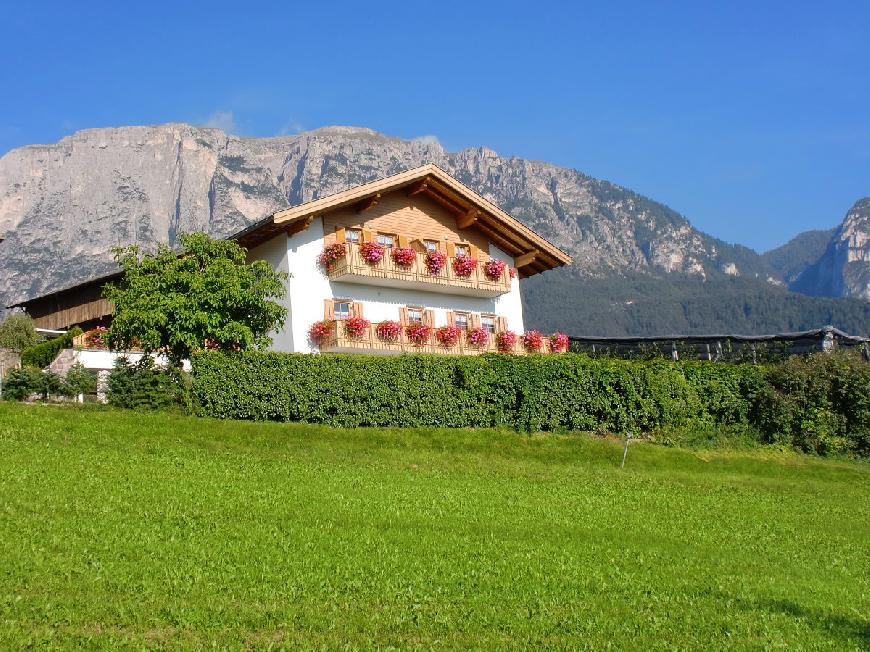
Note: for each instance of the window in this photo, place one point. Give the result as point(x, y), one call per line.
point(341, 310)
point(461, 250)
point(415, 315)
point(488, 322)
point(461, 320)
point(431, 245)
point(351, 235)
point(386, 241)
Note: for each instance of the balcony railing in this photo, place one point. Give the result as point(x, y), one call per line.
point(353, 269)
point(340, 341)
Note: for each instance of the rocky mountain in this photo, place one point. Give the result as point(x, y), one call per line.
point(843, 268)
point(791, 259)
point(64, 206)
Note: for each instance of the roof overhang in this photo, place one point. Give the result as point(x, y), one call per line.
point(532, 253)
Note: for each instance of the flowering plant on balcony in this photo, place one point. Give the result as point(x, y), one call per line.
point(356, 326)
point(493, 269)
point(331, 253)
point(320, 330)
point(96, 337)
point(478, 337)
point(371, 252)
point(448, 335)
point(418, 333)
point(558, 342)
point(404, 256)
point(533, 341)
point(435, 261)
point(505, 341)
point(464, 265)
point(388, 331)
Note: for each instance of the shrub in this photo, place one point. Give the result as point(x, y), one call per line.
point(79, 380)
point(44, 354)
point(20, 384)
point(145, 386)
point(17, 333)
point(568, 391)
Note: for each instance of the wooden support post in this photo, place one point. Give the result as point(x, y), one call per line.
point(675, 355)
point(419, 187)
point(525, 259)
point(369, 202)
point(464, 221)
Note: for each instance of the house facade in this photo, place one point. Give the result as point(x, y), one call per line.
point(415, 262)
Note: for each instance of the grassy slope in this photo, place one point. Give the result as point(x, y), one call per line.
point(118, 528)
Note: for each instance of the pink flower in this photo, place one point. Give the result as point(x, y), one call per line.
point(371, 252)
point(463, 266)
point(404, 256)
point(559, 342)
point(388, 331)
point(96, 337)
point(478, 337)
point(320, 330)
point(418, 333)
point(513, 272)
point(435, 261)
point(505, 341)
point(448, 335)
point(331, 253)
point(533, 341)
point(356, 326)
point(493, 269)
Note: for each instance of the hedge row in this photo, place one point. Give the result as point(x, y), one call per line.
point(42, 355)
point(546, 392)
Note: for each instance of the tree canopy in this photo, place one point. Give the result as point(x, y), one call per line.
point(17, 333)
point(204, 296)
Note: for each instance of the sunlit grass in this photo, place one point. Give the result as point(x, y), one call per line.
point(122, 529)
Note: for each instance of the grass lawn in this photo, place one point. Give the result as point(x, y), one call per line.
point(125, 530)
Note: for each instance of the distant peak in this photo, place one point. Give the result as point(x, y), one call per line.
point(345, 131)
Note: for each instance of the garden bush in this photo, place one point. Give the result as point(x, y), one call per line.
point(20, 384)
point(145, 386)
point(548, 392)
point(43, 354)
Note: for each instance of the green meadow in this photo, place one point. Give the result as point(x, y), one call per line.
point(128, 530)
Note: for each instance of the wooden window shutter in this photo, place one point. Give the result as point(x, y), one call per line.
point(451, 318)
point(442, 246)
point(328, 309)
point(474, 320)
point(357, 309)
point(404, 241)
point(451, 249)
point(501, 324)
point(339, 235)
point(429, 317)
point(418, 245)
point(403, 316)
point(367, 236)
point(475, 252)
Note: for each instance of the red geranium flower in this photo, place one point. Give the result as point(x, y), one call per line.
point(418, 333)
point(513, 272)
point(464, 265)
point(320, 330)
point(331, 253)
point(478, 337)
point(494, 269)
point(505, 341)
point(559, 342)
point(448, 335)
point(371, 252)
point(404, 256)
point(533, 341)
point(435, 261)
point(388, 331)
point(356, 326)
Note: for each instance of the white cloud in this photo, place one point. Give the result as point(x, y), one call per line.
point(222, 120)
point(428, 139)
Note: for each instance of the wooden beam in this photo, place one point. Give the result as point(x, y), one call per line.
point(418, 187)
point(464, 221)
point(505, 245)
point(446, 203)
point(369, 202)
point(526, 259)
point(300, 225)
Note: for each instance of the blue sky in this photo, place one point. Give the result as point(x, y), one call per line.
point(752, 119)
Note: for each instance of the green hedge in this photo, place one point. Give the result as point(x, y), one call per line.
point(545, 392)
point(42, 355)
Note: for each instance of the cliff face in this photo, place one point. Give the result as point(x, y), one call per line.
point(64, 206)
point(843, 270)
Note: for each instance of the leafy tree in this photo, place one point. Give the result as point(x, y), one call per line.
point(205, 296)
point(17, 333)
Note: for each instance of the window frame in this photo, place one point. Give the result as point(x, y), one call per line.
point(493, 321)
point(335, 312)
point(353, 240)
point(393, 240)
point(417, 309)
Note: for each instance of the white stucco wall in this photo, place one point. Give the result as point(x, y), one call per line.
point(275, 252)
point(308, 287)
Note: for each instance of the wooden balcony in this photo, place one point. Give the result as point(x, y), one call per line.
point(353, 269)
point(339, 341)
